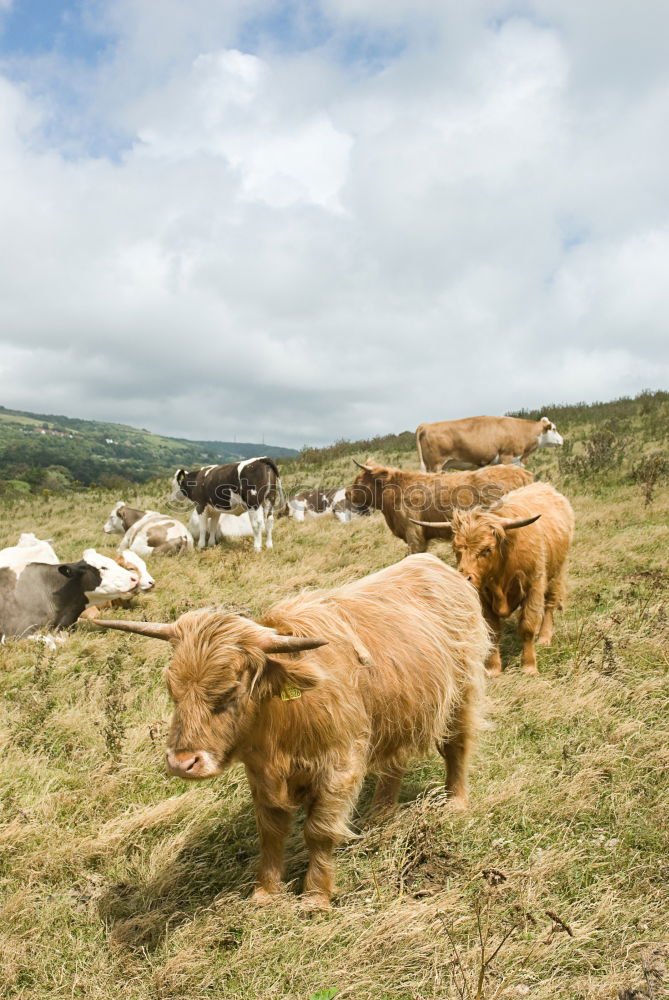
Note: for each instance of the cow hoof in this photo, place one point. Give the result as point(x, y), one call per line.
point(313, 902)
point(261, 897)
point(531, 669)
point(459, 803)
point(493, 671)
point(544, 640)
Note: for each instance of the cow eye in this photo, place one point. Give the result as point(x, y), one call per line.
point(221, 705)
point(483, 553)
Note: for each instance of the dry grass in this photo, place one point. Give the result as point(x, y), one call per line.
point(117, 881)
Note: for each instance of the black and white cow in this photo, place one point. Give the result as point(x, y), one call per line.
point(315, 503)
point(252, 485)
point(47, 595)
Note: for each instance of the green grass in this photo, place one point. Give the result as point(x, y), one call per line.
point(116, 881)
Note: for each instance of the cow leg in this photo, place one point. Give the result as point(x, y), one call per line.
point(494, 661)
point(212, 525)
point(386, 792)
point(414, 536)
point(326, 826)
point(456, 750)
point(256, 527)
point(203, 520)
point(531, 617)
point(269, 523)
point(273, 827)
point(554, 599)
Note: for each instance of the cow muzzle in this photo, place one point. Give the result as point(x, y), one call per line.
point(191, 765)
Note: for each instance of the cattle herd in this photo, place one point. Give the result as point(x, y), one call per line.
point(330, 685)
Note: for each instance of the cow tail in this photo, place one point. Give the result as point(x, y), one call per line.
point(420, 451)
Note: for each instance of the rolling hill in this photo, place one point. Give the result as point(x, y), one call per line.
point(47, 451)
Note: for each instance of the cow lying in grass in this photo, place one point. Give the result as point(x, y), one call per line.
point(37, 595)
point(416, 504)
point(513, 568)
point(147, 532)
point(325, 687)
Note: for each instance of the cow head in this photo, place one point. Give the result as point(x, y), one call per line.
point(367, 489)
point(224, 667)
point(131, 561)
point(115, 581)
point(549, 437)
point(89, 577)
point(182, 485)
point(479, 539)
point(114, 524)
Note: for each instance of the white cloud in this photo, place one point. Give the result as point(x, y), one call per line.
point(290, 243)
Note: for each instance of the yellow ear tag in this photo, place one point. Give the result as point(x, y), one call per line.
point(288, 693)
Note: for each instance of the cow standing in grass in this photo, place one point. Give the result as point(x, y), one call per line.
point(325, 687)
point(251, 486)
point(406, 497)
point(516, 557)
point(473, 442)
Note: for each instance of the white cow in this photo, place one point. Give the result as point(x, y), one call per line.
point(228, 526)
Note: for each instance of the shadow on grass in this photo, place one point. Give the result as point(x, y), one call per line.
point(215, 860)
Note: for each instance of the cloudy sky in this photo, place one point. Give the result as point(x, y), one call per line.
point(330, 218)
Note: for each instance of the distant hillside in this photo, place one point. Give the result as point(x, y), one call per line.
point(49, 451)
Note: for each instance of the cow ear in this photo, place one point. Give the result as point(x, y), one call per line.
point(69, 571)
point(286, 680)
point(181, 475)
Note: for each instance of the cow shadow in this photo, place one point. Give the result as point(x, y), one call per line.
point(213, 861)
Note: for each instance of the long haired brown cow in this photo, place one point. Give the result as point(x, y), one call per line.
point(516, 557)
point(473, 442)
point(325, 687)
point(405, 497)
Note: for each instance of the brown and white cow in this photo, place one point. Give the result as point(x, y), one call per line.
point(516, 556)
point(405, 496)
point(252, 485)
point(147, 532)
point(325, 687)
point(473, 442)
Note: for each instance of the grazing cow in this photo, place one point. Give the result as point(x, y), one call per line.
point(517, 569)
point(228, 526)
point(148, 533)
point(405, 497)
point(327, 686)
point(477, 441)
point(47, 595)
point(251, 486)
point(317, 502)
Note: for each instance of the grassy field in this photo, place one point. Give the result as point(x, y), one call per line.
point(117, 881)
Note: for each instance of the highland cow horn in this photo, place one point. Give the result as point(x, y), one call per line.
point(274, 643)
point(432, 524)
point(366, 468)
point(509, 524)
point(155, 630)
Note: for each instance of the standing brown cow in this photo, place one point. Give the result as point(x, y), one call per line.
point(325, 687)
point(406, 497)
point(518, 569)
point(473, 442)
